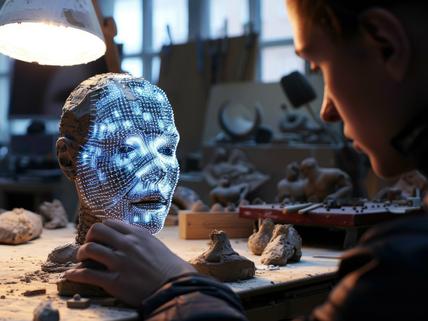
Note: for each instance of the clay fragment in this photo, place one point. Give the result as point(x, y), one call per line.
point(258, 241)
point(285, 246)
point(222, 262)
point(19, 226)
point(34, 292)
point(53, 214)
point(45, 312)
point(61, 259)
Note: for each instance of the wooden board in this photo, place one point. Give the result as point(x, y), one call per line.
point(344, 216)
point(198, 225)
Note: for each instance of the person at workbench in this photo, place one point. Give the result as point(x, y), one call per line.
point(373, 58)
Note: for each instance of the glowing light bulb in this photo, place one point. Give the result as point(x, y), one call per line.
point(60, 33)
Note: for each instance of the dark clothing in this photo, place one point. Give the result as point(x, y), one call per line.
point(384, 278)
point(193, 298)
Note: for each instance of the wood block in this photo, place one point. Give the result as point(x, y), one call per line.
point(198, 225)
point(78, 303)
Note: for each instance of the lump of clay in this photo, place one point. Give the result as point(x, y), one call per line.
point(222, 262)
point(53, 214)
point(19, 226)
point(45, 312)
point(61, 259)
point(258, 241)
point(285, 246)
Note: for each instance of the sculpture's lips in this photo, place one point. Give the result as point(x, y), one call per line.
point(150, 201)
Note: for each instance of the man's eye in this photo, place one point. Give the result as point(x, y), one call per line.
point(126, 149)
point(168, 151)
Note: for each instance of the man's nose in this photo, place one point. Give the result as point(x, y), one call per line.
point(328, 111)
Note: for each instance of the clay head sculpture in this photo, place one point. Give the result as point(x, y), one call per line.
point(117, 143)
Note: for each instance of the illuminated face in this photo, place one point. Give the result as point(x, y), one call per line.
point(127, 169)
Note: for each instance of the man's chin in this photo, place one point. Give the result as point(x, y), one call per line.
point(389, 168)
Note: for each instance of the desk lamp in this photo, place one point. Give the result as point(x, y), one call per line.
point(60, 32)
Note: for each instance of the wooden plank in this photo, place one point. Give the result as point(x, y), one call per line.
point(198, 225)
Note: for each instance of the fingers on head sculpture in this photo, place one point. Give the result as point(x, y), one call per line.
point(117, 143)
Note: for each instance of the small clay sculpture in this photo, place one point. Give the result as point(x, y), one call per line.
point(45, 312)
point(19, 226)
point(230, 170)
point(324, 183)
point(226, 193)
point(54, 215)
point(285, 246)
point(291, 188)
point(258, 241)
point(117, 143)
point(222, 262)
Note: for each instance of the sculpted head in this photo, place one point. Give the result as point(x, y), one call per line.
point(117, 143)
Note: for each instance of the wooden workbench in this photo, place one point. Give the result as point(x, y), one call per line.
point(308, 280)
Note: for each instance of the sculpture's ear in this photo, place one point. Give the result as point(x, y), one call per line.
point(66, 152)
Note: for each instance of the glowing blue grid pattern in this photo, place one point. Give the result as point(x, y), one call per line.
point(127, 169)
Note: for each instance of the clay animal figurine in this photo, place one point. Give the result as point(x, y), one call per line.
point(291, 188)
point(285, 246)
point(324, 183)
point(258, 241)
point(222, 262)
point(117, 144)
point(53, 214)
point(236, 169)
point(225, 193)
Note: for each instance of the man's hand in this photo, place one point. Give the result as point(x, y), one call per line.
point(137, 263)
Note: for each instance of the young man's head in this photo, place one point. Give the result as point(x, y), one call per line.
point(117, 143)
point(372, 55)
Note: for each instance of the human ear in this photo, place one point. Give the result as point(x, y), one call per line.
point(386, 34)
point(66, 150)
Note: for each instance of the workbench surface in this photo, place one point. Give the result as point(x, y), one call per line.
point(19, 266)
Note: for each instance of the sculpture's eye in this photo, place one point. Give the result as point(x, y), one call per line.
point(167, 151)
point(126, 149)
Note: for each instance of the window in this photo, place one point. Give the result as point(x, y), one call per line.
point(277, 54)
point(128, 15)
point(278, 61)
point(172, 14)
point(275, 24)
point(4, 90)
point(146, 25)
point(232, 14)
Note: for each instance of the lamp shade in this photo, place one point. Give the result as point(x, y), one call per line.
point(60, 32)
